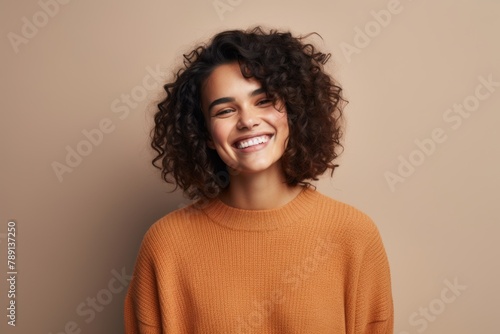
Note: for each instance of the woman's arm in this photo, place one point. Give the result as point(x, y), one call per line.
point(374, 304)
point(142, 307)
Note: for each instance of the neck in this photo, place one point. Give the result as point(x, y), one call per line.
point(259, 191)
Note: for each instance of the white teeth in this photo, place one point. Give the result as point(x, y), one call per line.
point(252, 141)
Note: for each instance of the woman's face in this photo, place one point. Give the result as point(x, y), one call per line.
point(248, 132)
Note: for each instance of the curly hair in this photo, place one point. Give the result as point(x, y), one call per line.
point(287, 69)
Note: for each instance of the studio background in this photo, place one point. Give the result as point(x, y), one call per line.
point(80, 80)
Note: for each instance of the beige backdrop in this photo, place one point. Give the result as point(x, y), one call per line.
point(79, 81)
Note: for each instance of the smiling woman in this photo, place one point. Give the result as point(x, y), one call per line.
point(247, 123)
point(248, 131)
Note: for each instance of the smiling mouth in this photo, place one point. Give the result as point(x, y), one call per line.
point(252, 141)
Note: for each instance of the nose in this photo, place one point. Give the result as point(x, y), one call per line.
point(248, 117)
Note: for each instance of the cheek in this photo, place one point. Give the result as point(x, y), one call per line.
point(281, 122)
point(220, 133)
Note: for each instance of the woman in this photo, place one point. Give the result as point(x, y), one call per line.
point(247, 122)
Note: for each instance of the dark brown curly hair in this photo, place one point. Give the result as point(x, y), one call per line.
point(287, 69)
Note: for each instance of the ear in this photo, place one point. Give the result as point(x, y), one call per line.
point(210, 143)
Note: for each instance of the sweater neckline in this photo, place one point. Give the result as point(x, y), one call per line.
point(262, 220)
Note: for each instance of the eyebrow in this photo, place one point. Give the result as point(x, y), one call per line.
point(232, 99)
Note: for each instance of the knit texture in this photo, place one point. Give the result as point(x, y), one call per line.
point(314, 265)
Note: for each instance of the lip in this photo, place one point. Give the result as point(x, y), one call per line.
point(252, 135)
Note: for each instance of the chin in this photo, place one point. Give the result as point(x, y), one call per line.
point(255, 169)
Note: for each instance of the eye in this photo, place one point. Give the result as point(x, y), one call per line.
point(264, 102)
point(224, 113)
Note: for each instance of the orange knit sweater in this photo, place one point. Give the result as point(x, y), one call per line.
point(313, 266)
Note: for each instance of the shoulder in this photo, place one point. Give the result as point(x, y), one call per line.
point(354, 234)
point(174, 225)
point(348, 213)
point(353, 225)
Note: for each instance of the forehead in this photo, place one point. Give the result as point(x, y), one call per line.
point(226, 80)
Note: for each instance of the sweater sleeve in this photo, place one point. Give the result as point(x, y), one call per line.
point(142, 308)
point(374, 304)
